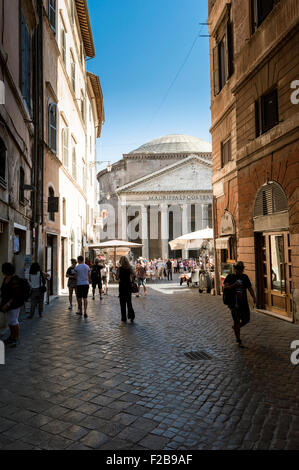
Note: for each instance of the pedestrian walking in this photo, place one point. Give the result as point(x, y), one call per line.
point(235, 296)
point(96, 278)
point(105, 277)
point(141, 277)
point(72, 283)
point(14, 293)
point(37, 281)
point(125, 276)
point(83, 280)
point(169, 269)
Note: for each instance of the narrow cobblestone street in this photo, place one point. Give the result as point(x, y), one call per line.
point(96, 383)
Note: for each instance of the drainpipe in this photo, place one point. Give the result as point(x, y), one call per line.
point(217, 274)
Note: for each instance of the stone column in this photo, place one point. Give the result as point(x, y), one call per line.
point(164, 230)
point(185, 229)
point(144, 230)
point(203, 216)
point(124, 222)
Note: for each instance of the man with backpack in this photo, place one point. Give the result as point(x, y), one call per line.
point(14, 293)
point(96, 279)
point(235, 297)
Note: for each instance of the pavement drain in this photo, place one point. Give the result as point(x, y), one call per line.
point(197, 355)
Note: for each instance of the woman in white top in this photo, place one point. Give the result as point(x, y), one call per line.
point(37, 281)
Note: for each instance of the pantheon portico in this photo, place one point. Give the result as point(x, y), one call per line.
point(159, 205)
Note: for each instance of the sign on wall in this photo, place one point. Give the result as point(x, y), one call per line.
point(227, 224)
point(53, 204)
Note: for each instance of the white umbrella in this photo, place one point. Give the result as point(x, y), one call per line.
point(193, 240)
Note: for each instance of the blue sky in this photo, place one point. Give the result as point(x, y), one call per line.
point(140, 47)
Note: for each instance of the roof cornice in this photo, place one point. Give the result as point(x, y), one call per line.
point(85, 27)
point(97, 90)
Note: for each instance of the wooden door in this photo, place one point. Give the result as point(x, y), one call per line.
point(277, 273)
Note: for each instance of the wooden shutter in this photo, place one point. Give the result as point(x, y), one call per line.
point(216, 70)
point(229, 49)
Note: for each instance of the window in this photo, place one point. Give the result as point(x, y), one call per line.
point(84, 176)
point(3, 182)
point(73, 72)
point(64, 211)
point(25, 62)
point(52, 14)
point(63, 46)
point(51, 214)
point(21, 186)
point(82, 105)
point(53, 127)
point(225, 152)
point(74, 164)
point(266, 112)
point(223, 59)
point(65, 147)
point(260, 9)
point(270, 199)
point(72, 6)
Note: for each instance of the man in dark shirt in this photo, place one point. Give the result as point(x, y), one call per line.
point(96, 278)
point(169, 269)
point(238, 284)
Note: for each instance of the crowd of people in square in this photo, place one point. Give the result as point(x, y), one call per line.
point(131, 277)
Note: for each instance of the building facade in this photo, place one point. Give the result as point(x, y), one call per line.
point(17, 130)
point(156, 193)
point(255, 130)
point(73, 116)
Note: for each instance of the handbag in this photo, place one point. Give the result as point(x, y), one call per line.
point(134, 287)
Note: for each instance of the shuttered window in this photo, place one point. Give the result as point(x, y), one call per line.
point(65, 147)
point(270, 199)
point(3, 182)
point(73, 72)
point(223, 59)
point(225, 152)
point(74, 163)
point(266, 112)
point(53, 127)
point(52, 14)
point(72, 6)
point(51, 194)
point(260, 9)
point(63, 46)
point(25, 61)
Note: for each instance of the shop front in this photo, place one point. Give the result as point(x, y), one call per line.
point(273, 252)
point(226, 249)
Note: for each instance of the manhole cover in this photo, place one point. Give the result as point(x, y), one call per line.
point(197, 355)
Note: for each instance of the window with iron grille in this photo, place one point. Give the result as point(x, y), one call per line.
point(266, 112)
point(51, 214)
point(225, 152)
point(52, 14)
point(260, 9)
point(53, 127)
point(25, 62)
point(3, 150)
point(270, 199)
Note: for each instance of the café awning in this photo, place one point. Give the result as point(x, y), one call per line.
point(192, 240)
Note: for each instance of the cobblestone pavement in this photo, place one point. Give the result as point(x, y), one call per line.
point(95, 383)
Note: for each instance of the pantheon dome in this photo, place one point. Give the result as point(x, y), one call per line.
point(174, 143)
